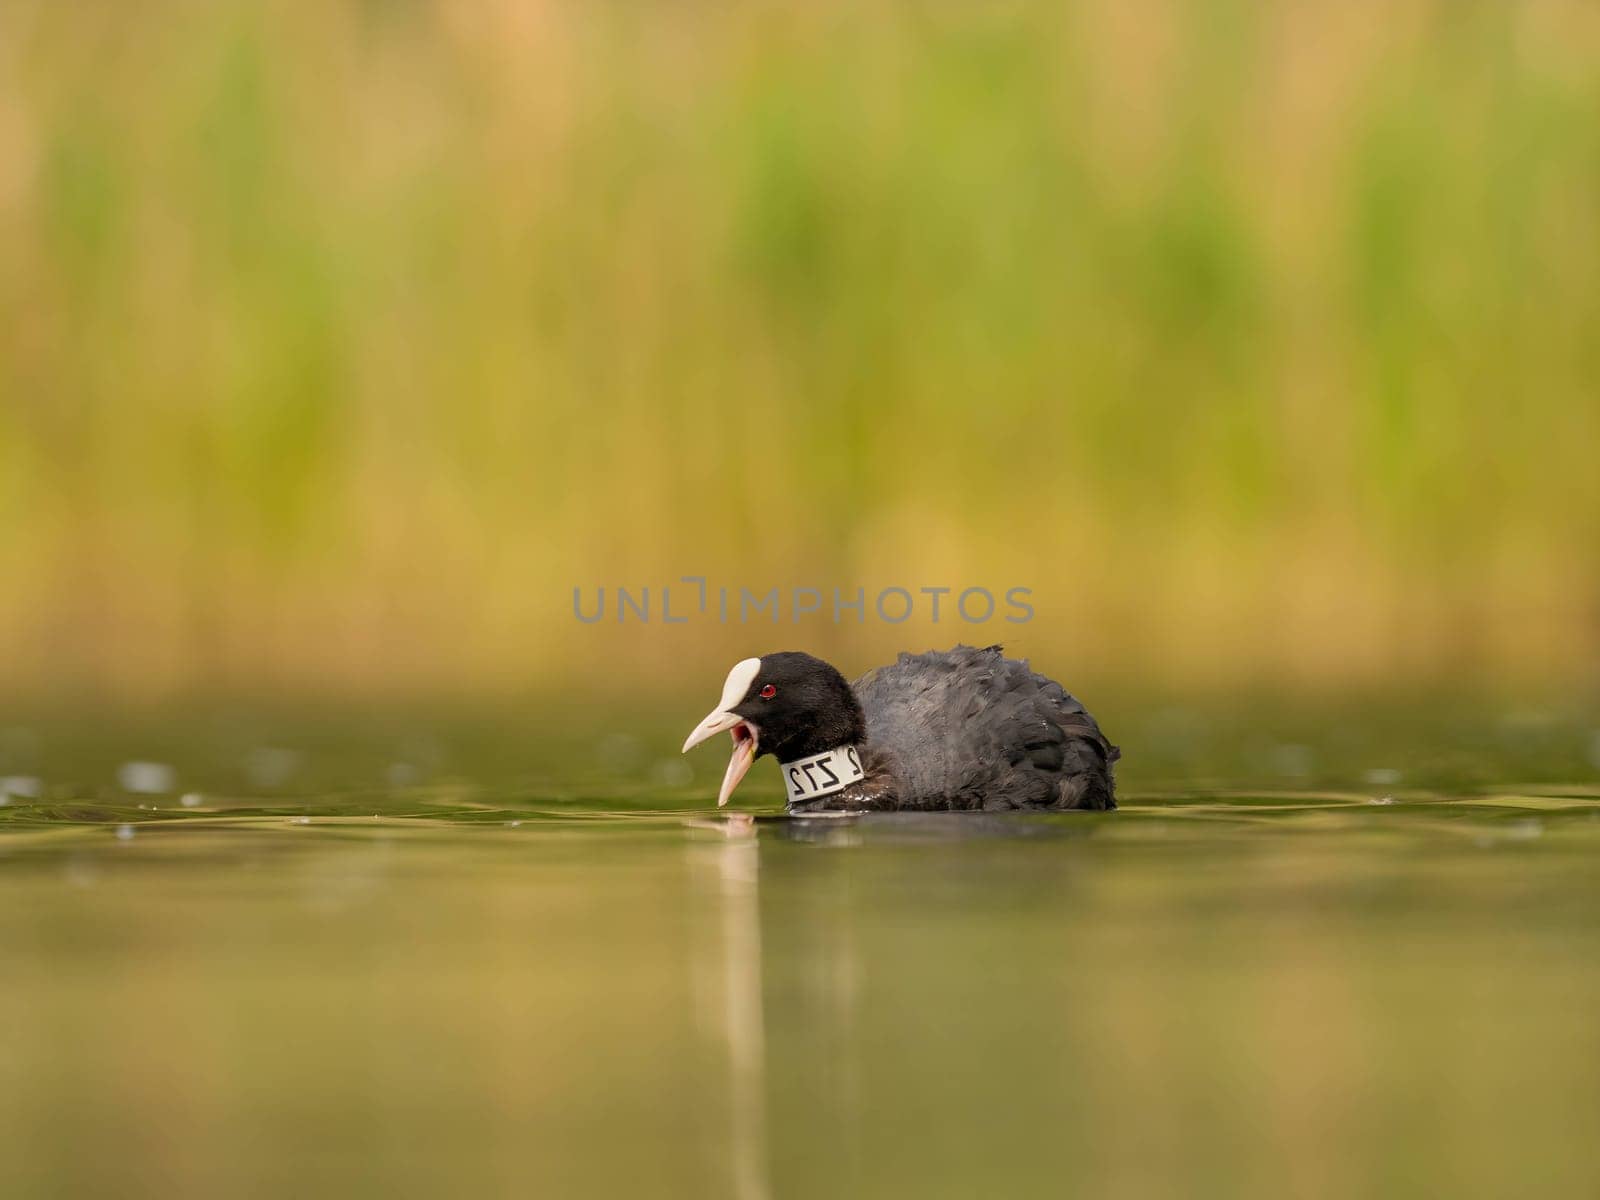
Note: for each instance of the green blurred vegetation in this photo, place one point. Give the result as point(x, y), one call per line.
point(339, 342)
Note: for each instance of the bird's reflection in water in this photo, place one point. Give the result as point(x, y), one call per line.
point(729, 980)
point(824, 1009)
point(809, 999)
point(890, 828)
point(783, 978)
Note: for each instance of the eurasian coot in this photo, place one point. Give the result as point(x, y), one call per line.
point(951, 729)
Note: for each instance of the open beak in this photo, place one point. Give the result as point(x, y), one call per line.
point(746, 737)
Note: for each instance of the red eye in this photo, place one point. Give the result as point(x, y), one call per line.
point(768, 692)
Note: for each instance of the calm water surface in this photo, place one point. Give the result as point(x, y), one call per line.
point(598, 986)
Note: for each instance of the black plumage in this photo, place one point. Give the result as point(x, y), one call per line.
point(962, 729)
point(973, 729)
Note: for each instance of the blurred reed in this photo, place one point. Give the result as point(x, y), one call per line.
point(339, 342)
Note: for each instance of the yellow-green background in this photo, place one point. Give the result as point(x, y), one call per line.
point(340, 341)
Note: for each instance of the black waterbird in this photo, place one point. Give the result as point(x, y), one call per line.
point(961, 729)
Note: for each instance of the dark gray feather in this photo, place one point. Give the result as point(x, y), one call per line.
point(972, 729)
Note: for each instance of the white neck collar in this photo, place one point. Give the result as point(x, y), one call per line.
point(818, 775)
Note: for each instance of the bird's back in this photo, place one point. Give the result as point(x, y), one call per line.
point(973, 729)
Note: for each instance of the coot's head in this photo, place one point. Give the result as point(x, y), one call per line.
point(787, 704)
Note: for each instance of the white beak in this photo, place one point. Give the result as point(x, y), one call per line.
point(745, 740)
point(746, 737)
